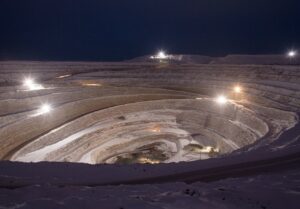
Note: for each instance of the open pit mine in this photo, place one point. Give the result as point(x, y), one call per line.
point(152, 120)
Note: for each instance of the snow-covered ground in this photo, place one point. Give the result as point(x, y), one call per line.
point(273, 191)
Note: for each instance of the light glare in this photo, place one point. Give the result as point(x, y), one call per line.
point(30, 84)
point(160, 55)
point(292, 53)
point(92, 84)
point(64, 76)
point(237, 89)
point(221, 99)
point(45, 108)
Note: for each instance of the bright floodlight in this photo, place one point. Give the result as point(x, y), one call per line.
point(161, 55)
point(292, 53)
point(45, 108)
point(237, 89)
point(30, 84)
point(221, 99)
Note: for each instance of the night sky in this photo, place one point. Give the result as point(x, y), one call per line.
point(122, 29)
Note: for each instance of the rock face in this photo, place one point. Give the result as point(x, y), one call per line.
point(195, 118)
point(109, 112)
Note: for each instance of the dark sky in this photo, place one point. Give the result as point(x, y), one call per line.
point(122, 29)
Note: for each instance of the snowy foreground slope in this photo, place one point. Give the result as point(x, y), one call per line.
point(151, 133)
point(278, 191)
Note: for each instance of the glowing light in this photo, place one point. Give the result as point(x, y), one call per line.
point(237, 89)
point(89, 83)
point(156, 129)
point(30, 84)
point(221, 99)
point(92, 84)
point(292, 53)
point(45, 108)
point(64, 76)
point(160, 55)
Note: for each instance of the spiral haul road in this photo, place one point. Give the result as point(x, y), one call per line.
point(176, 125)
